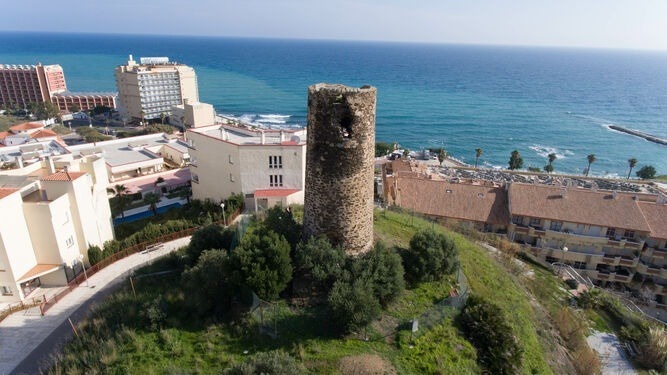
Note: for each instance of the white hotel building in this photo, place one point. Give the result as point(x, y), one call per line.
point(266, 166)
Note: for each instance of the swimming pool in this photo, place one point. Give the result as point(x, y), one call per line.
point(145, 214)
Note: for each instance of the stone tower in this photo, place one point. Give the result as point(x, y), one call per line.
point(338, 198)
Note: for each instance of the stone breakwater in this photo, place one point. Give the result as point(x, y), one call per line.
point(636, 133)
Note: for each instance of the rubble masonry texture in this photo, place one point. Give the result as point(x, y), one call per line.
point(340, 155)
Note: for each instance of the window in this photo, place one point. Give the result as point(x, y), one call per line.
point(629, 233)
point(579, 265)
point(275, 162)
point(231, 159)
point(70, 241)
point(231, 177)
point(534, 222)
point(517, 220)
point(66, 219)
point(276, 180)
point(195, 178)
point(556, 225)
point(6, 291)
point(611, 232)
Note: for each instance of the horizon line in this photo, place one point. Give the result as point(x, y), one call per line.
point(306, 39)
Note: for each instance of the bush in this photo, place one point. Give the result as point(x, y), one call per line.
point(275, 362)
point(485, 325)
point(207, 289)
point(652, 350)
point(262, 263)
point(352, 304)
point(209, 237)
point(282, 222)
point(572, 283)
point(95, 254)
point(381, 268)
point(430, 257)
point(319, 261)
point(646, 172)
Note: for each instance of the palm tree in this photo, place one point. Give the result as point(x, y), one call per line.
point(120, 200)
point(591, 159)
point(478, 153)
point(442, 155)
point(550, 167)
point(152, 199)
point(631, 162)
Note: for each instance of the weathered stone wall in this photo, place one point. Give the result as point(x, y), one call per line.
point(339, 165)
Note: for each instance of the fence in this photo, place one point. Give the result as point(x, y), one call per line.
point(81, 278)
point(18, 306)
point(448, 307)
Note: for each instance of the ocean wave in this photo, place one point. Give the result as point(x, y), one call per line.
point(544, 151)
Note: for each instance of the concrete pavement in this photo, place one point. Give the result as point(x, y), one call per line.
point(27, 338)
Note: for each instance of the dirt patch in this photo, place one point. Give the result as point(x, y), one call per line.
point(366, 364)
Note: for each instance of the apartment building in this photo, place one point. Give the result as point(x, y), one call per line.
point(53, 210)
point(192, 115)
point(66, 101)
point(266, 166)
point(24, 84)
point(21, 85)
point(614, 238)
point(148, 90)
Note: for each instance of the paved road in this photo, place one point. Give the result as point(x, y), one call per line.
point(29, 340)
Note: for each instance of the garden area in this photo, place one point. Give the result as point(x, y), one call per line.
point(272, 302)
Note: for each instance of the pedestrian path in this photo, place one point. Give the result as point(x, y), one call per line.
point(23, 331)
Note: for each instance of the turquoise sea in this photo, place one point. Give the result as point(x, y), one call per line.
point(535, 100)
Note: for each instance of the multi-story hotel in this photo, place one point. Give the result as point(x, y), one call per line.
point(21, 85)
point(24, 84)
point(266, 166)
point(148, 90)
point(68, 101)
point(52, 211)
point(614, 238)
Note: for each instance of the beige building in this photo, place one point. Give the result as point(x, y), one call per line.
point(53, 211)
point(149, 89)
point(614, 238)
point(266, 166)
point(192, 115)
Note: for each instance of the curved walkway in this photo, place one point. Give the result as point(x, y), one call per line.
point(27, 339)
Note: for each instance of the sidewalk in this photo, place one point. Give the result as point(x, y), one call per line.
point(22, 332)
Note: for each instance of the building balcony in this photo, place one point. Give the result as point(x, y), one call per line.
point(620, 261)
point(651, 270)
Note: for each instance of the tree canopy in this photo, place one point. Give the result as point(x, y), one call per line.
point(646, 172)
point(516, 161)
point(431, 256)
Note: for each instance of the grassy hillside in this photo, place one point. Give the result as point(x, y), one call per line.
point(152, 334)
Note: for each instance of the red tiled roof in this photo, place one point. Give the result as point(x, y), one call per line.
point(38, 270)
point(6, 191)
point(459, 201)
point(3, 135)
point(43, 133)
point(266, 193)
point(575, 205)
point(63, 176)
point(656, 216)
point(26, 126)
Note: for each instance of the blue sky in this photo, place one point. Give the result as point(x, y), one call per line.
point(638, 24)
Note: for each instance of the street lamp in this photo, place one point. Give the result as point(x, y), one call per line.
point(224, 220)
point(84, 269)
point(562, 260)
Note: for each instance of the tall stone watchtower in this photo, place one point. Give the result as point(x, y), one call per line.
point(339, 165)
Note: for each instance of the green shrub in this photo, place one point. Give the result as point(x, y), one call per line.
point(209, 237)
point(485, 325)
point(282, 222)
point(207, 288)
point(382, 269)
point(318, 260)
point(352, 304)
point(95, 254)
point(431, 256)
point(262, 263)
point(276, 362)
